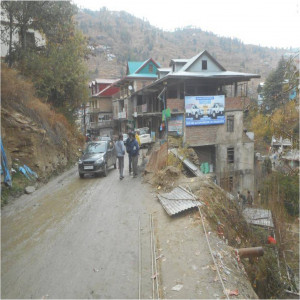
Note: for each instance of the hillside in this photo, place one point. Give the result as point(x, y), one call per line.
point(33, 133)
point(116, 37)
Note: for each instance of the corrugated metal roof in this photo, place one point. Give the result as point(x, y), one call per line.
point(178, 200)
point(221, 74)
point(258, 216)
point(134, 66)
point(193, 168)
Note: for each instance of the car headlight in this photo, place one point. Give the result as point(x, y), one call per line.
point(99, 161)
point(79, 161)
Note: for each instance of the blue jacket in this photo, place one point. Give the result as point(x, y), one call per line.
point(134, 148)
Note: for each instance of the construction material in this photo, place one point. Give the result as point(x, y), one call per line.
point(250, 252)
point(258, 216)
point(193, 168)
point(140, 259)
point(178, 200)
point(158, 159)
point(211, 253)
point(154, 258)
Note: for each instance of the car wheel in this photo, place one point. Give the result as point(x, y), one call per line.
point(81, 175)
point(105, 170)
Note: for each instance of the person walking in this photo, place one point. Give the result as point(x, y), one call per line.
point(134, 152)
point(249, 199)
point(120, 149)
point(127, 145)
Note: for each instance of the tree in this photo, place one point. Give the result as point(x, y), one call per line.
point(59, 73)
point(57, 70)
point(273, 87)
point(8, 10)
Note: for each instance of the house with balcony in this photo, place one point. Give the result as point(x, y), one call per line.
point(138, 75)
point(99, 109)
point(207, 104)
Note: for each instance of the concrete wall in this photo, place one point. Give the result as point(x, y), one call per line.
point(216, 134)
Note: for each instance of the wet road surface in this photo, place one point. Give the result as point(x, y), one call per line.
point(77, 238)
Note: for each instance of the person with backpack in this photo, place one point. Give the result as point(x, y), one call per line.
point(134, 152)
point(120, 149)
point(127, 145)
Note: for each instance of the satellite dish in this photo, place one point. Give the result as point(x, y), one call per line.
point(130, 88)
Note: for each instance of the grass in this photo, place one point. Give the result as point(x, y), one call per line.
point(19, 182)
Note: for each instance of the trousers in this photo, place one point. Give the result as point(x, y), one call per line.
point(134, 164)
point(130, 163)
point(121, 165)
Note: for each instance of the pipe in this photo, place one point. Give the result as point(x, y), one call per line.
point(250, 252)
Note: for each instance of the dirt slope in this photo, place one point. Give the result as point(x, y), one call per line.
point(32, 133)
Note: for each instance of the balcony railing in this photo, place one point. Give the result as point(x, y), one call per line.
point(141, 108)
point(101, 124)
point(94, 110)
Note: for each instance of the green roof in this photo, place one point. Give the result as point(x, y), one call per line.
point(133, 66)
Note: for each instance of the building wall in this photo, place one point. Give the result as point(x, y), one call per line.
point(175, 104)
point(216, 134)
point(242, 168)
point(197, 66)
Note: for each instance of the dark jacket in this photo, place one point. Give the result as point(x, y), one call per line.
point(134, 148)
point(127, 145)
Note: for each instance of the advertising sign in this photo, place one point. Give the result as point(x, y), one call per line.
point(204, 110)
point(176, 124)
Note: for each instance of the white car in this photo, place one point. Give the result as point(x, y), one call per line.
point(145, 137)
point(194, 111)
point(217, 109)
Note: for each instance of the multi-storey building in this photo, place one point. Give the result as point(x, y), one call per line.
point(138, 75)
point(207, 105)
point(99, 111)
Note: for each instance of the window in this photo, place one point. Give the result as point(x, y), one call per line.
point(150, 68)
point(230, 123)
point(230, 155)
point(204, 64)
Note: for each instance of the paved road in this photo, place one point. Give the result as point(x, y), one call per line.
point(77, 238)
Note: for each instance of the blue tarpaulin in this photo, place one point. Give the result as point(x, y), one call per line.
point(4, 166)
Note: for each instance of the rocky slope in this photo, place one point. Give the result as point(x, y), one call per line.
point(32, 132)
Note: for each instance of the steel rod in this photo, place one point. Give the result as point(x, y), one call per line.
point(155, 265)
point(217, 268)
point(140, 259)
point(152, 264)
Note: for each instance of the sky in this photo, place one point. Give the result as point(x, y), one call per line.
point(270, 23)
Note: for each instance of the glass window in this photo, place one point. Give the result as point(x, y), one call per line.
point(230, 123)
point(96, 148)
point(204, 64)
point(230, 155)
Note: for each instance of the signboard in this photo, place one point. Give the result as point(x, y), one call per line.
point(166, 113)
point(176, 124)
point(204, 110)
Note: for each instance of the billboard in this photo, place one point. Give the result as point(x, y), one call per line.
point(204, 110)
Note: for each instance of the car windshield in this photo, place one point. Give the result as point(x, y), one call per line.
point(95, 148)
point(104, 138)
point(143, 131)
